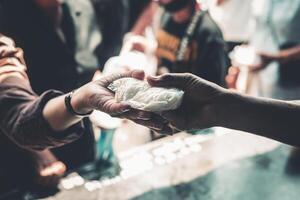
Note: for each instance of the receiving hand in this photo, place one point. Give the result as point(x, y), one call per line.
point(198, 107)
point(96, 96)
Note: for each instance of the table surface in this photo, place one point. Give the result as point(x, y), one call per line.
point(233, 166)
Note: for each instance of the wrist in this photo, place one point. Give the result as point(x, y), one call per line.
point(79, 103)
point(222, 107)
point(283, 56)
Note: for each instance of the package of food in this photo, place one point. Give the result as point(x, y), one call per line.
point(140, 95)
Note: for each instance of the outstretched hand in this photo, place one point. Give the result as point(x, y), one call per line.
point(96, 96)
point(198, 107)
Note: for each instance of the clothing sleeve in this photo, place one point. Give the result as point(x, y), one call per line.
point(212, 53)
point(21, 110)
point(217, 62)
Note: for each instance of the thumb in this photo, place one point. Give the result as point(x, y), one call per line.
point(169, 80)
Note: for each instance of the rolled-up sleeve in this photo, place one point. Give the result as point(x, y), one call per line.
point(21, 110)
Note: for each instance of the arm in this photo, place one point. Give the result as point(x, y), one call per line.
point(206, 105)
point(270, 118)
point(288, 55)
point(283, 56)
point(38, 122)
point(145, 19)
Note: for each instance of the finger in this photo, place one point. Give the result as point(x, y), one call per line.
point(59, 168)
point(12, 62)
point(6, 51)
point(170, 80)
point(168, 129)
point(152, 124)
point(134, 114)
point(20, 55)
point(6, 41)
point(233, 71)
point(112, 107)
point(5, 76)
point(9, 68)
point(12, 52)
point(107, 80)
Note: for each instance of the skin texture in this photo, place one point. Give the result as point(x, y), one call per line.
point(93, 95)
point(194, 105)
point(206, 104)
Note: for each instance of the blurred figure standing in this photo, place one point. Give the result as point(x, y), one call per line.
point(234, 18)
point(277, 42)
point(190, 41)
point(277, 39)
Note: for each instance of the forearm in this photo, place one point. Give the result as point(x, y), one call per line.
point(145, 19)
point(274, 119)
point(57, 115)
point(289, 54)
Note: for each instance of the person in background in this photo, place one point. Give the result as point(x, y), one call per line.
point(234, 17)
point(276, 40)
point(136, 9)
point(113, 19)
point(190, 41)
point(59, 38)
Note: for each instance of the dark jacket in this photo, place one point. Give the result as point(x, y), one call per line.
point(206, 55)
point(51, 66)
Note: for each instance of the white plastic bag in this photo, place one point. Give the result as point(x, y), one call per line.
point(140, 95)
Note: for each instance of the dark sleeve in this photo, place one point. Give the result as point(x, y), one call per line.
point(216, 62)
point(21, 110)
point(22, 118)
point(213, 61)
point(112, 17)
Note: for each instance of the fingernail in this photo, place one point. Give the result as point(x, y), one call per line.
point(154, 78)
point(125, 110)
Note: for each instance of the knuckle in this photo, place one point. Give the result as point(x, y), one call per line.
point(167, 77)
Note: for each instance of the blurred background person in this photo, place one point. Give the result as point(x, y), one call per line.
point(277, 39)
point(180, 51)
point(113, 21)
point(190, 41)
point(234, 18)
point(276, 44)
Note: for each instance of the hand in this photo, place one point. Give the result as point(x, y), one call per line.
point(266, 59)
point(200, 100)
point(95, 95)
point(11, 60)
point(232, 77)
